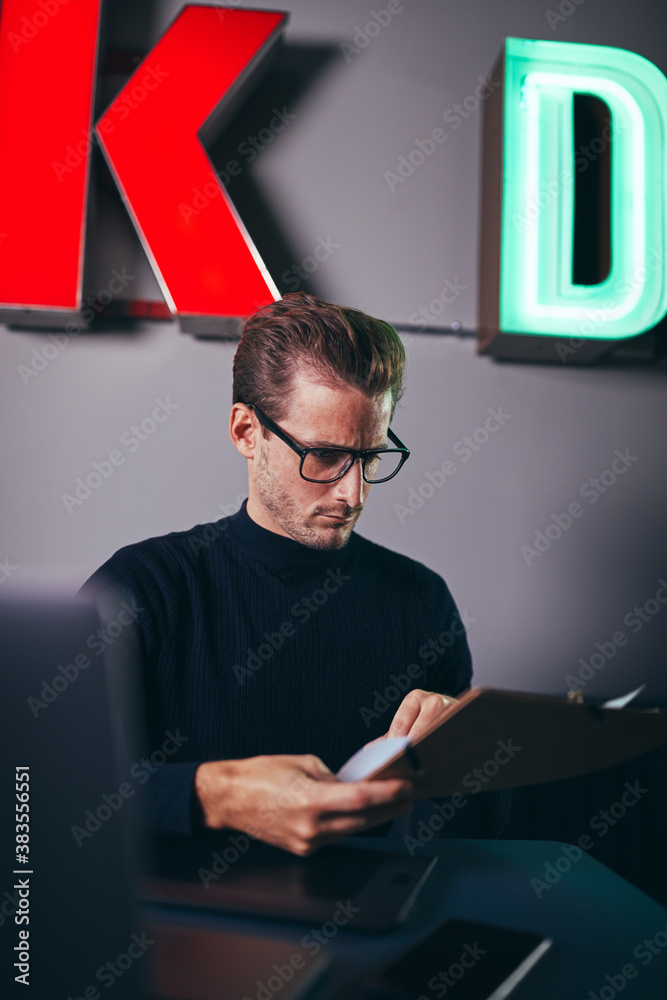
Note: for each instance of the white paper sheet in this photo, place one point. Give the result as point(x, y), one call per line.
point(371, 757)
point(624, 699)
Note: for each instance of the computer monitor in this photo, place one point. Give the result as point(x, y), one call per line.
point(68, 925)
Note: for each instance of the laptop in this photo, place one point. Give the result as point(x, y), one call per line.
point(359, 889)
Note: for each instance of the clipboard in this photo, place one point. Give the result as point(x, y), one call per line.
point(494, 738)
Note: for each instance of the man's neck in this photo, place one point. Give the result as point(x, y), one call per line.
point(264, 518)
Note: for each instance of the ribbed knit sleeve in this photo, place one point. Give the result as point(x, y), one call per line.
point(138, 591)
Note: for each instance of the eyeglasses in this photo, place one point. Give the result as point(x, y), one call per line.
point(326, 465)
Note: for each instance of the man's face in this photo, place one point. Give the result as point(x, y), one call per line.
point(320, 515)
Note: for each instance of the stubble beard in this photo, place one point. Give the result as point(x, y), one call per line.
point(289, 515)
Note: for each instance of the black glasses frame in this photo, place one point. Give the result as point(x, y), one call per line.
point(363, 455)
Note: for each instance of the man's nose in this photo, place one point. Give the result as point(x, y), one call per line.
point(352, 486)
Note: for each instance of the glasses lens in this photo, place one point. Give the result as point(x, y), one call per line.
point(382, 465)
point(322, 464)
point(326, 464)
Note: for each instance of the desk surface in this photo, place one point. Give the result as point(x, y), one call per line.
point(595, 918)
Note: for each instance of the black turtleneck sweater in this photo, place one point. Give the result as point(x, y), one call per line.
point(253, 643)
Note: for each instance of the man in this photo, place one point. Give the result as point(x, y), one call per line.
point(277, 641)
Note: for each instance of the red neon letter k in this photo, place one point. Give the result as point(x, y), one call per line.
point(203, 258)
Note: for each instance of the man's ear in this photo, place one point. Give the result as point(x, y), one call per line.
point(244, 429)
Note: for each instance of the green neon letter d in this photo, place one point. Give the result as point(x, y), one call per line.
point(537, 295)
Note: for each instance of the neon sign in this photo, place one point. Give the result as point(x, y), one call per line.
point(527, 253)
point(205, 262)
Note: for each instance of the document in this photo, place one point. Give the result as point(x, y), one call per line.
point(492, 738)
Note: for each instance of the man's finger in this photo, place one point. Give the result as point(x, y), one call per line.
point(377, 739)
point(339, 825)
point(405, 717)
point(315, 768)
point(357, 796)
point(414, 718)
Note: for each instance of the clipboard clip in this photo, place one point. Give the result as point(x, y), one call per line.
point(576, 697)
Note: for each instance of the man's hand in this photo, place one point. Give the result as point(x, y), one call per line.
point(418, 712)
point(294, 801)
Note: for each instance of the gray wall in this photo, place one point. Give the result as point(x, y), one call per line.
point(324, 177)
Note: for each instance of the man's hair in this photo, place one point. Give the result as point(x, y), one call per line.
point(301, 334)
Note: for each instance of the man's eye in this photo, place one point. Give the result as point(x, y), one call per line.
point(325, 454)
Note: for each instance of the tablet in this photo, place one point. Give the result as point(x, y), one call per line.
point(461, 959)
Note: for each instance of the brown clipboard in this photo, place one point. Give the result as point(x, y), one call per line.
point(492, 738)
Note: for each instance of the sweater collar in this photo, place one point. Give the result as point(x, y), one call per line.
point(279, 551)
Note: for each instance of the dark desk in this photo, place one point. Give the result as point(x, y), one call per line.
point(595, 918)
